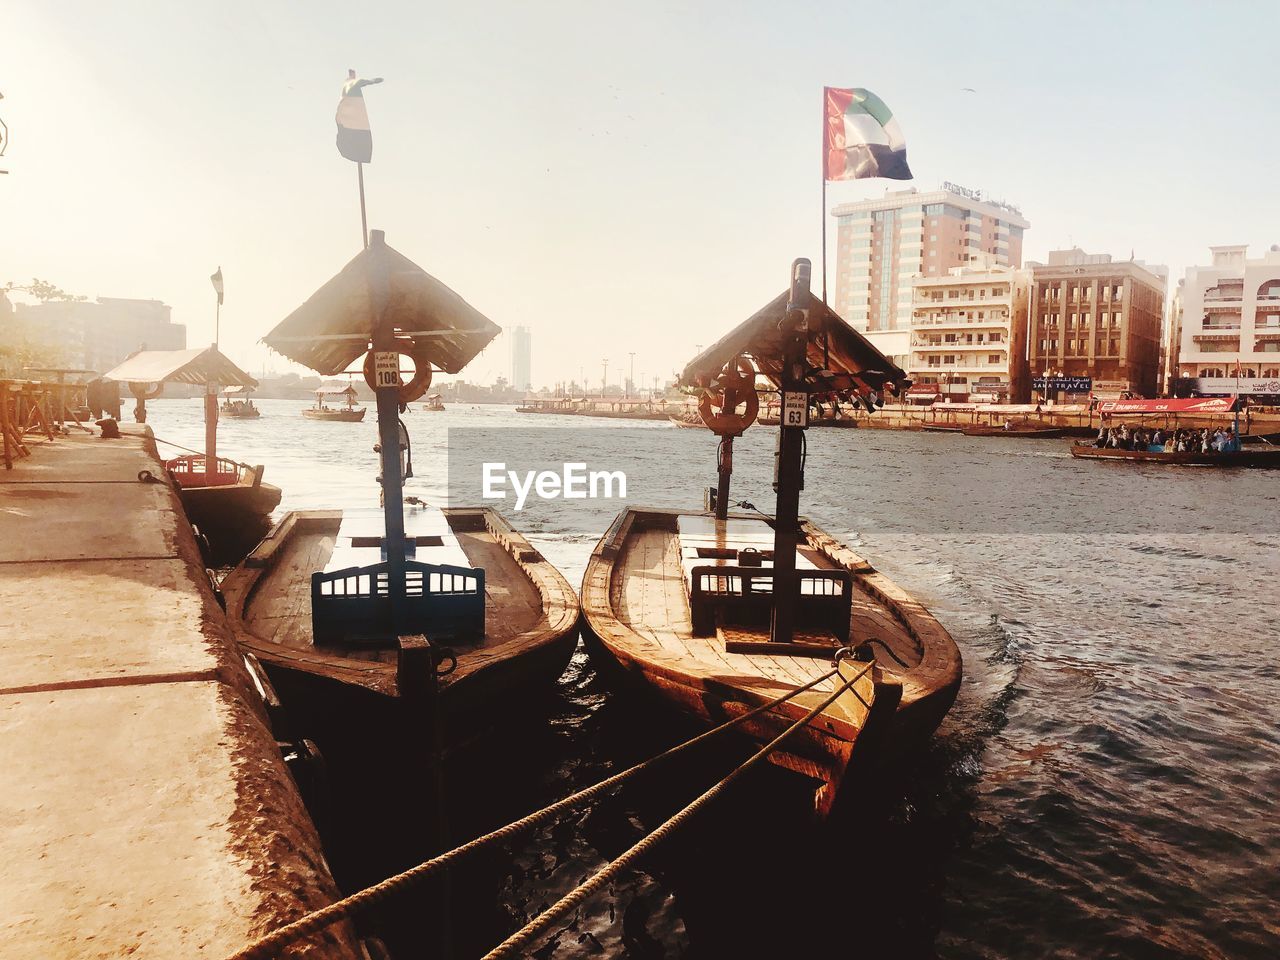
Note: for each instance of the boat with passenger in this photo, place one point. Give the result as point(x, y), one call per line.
point(350, 413)
point(237, 404)
point(1127, 439)
point(719, 611)
point(434, 404)
point(358, 614)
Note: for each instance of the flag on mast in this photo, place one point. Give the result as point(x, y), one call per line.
point(217, 284)
point(355, 142)
point(862, 138)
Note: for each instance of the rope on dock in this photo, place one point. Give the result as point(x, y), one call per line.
point(270, 944)
point(521, 939)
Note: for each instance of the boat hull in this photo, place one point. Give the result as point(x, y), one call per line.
point(703, 682)
point(1032, 433)
point(232, 516)
point(1251, 456)
point(334, 416)
point(524, 649)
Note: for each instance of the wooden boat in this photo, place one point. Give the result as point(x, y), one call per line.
point(339, 681)
point(228, 501)
point(1016, 430)
point(396, 633)
point(687, 418)
point(348, 414)
point(944, 427)
point(639, 609)
point(1257, 456)
point(236, 403)
point(716, 613)
point(234, 499)
point(434, 404)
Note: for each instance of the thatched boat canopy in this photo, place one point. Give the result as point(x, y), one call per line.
point(199, 366)
point(841, 360)
point(334, 327)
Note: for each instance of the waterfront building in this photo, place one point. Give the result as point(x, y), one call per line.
point(1231, 311)
point(521, 358)
point(1095, 317)
point(95, 334)
point(1171, 349)
point(969, 334)
point(883, 244)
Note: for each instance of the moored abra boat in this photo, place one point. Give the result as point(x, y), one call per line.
point(228, 501)
point(343, 607)
point(719, 613)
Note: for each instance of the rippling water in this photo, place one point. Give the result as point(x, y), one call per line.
point(1106, 784)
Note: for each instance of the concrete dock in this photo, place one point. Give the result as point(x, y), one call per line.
point(145, 810)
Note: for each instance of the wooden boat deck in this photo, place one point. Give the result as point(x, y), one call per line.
point(648, 594)
point(528, 603)
point(636, 605)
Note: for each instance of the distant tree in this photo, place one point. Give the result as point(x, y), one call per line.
point(44, 291)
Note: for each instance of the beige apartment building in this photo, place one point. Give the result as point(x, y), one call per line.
point(969, 335)
point(882, 245)
point(1231, 316)
point(1098, 318)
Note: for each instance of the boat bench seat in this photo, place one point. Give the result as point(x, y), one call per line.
point(722, 588)
point(444, 599)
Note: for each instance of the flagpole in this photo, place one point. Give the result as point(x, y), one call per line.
point(364, 222)
point(824, 237)
point(823, 141)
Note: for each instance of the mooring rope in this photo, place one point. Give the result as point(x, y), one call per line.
point(267, 946)
point(539, 924)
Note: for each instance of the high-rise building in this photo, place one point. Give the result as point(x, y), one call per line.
point(98, 335)
point(1231, 313)
point(883, 244)
point(969, 335)
point(1098, 318)
point(521, 358)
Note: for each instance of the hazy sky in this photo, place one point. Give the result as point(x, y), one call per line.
point(618, 177)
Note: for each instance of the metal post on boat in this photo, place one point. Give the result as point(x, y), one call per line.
point(210, 431)
point(386, 365)
point(724, 468)
point(789, 469)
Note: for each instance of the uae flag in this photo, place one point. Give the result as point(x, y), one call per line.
point(862, 139)
point(217, 284)
point(355, 142)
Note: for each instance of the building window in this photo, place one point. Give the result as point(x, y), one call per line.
point(993, 358)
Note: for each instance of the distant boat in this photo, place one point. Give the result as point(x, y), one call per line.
point(236, 404)
point(349, 414)
point(1025, 431)
point(687, 418)
point(435, 403)
point(1254, 456)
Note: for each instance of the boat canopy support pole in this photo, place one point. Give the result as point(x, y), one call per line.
point(210, 431)
point(789, 470)
point(724, 468)
point(388, 395)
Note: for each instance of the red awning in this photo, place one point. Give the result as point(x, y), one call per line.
point(1188, 405)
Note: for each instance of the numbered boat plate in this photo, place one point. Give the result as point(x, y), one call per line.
point(386, 368)
point(795, 409)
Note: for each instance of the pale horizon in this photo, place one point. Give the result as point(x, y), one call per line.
point(615, 182)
